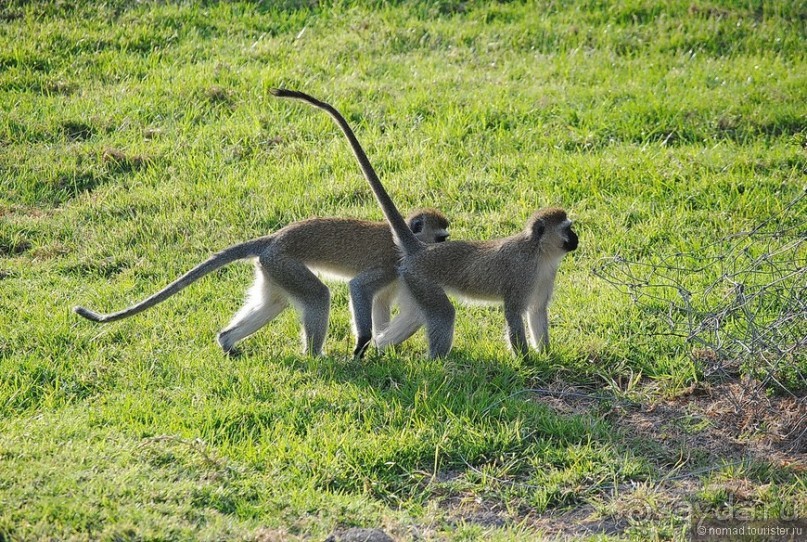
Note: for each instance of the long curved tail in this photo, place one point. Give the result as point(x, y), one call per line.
point(403, 235)
point(240, 251)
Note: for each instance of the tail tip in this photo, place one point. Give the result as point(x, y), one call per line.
point(88, 314)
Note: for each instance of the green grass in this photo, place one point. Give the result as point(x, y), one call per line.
point(137, 138)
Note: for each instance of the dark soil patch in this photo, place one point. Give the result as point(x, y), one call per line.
point(724, 420)
point(728, 420)
point(709, 425)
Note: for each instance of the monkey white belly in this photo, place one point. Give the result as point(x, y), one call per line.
point(465, 299)
point(332, 273)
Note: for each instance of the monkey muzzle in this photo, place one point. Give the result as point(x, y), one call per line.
point(571, 243)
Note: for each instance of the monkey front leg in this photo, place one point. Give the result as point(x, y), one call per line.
point(538, 323)
point(364, 288)
point(516, 337)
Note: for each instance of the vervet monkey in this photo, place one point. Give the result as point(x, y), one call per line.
point(516, 271)
point(358, 251)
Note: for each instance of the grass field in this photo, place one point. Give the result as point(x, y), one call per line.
point(138, 138)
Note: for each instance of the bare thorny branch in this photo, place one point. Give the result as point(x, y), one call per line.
point(750, 318)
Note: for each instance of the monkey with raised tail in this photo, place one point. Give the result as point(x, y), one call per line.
point(517, 271)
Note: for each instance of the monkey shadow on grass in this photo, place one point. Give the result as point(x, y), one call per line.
point(468, 433)
point(464, 386)
point(469, 406)
point(472, 411)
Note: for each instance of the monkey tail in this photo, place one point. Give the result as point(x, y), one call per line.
point(403, 235)
point(240, 251)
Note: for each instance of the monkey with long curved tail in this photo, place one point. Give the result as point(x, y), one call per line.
point(517, 271)
point(358, 251)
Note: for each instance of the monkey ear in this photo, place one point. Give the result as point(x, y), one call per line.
point(417, 225)
point(538, 228)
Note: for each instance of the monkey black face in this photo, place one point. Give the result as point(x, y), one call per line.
point(570, 243)
point(434, 222)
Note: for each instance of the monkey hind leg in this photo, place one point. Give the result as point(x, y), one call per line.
point(404, 325)
point(440, 331)
point(314, 310)
point(309, 296)
point(264, 302)
point(382, 304)
point(438, 313)
point(400, 329)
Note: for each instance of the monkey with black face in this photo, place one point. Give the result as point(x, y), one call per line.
point(358, 251)
point(517, 271)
